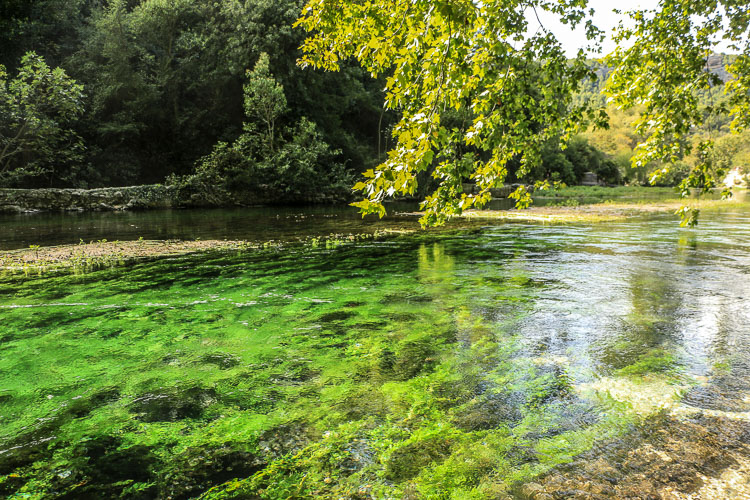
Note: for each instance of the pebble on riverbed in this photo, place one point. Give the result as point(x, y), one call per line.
point(666, 458)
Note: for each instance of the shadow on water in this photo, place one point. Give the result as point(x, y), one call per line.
point(252, 224)
point(520, 361)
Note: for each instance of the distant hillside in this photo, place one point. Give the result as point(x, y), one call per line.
point(717, 64)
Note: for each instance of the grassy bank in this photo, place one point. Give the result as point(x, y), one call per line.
point(629, 192)
point(599, 212)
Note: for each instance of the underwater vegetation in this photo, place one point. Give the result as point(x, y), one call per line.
point(457, 365)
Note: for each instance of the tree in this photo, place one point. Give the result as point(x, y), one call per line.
point(665, 70)
point(264, 98)
point(48, 27)
point(570, 165)
point(275, 159)
point(518, 84)
point(164, 80)
point(36, 110)
point(136, 63)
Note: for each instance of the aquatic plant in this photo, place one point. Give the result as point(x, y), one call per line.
point(427, 365)
point(654, 361)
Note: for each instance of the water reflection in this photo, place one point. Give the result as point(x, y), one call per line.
point(266, 223)
point(617, 304)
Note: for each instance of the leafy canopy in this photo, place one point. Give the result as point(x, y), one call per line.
point(665, 71)
point(518, 84)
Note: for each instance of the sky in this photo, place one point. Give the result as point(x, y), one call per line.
point(604, 18)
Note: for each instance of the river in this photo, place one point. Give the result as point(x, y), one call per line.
point(511, 361)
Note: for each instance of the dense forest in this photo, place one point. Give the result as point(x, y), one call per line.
point(209, 96)
point(162, 86)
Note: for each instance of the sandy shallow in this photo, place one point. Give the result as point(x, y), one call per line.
point(107, 252)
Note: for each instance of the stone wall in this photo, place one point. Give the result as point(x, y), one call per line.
point(121, 198)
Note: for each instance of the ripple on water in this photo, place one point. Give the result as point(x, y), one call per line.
point(476, 364)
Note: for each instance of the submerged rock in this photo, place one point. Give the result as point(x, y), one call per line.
point(406, 461)
point(107, 461)
point(665, 458)
point(283, 440)
point(198, 469)
point(35, 442)
point(727, 394)
point(489, 412)
point(172, 405)
point(222, 360)
point(336, 316)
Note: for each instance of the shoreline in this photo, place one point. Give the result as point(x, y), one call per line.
point(607, 211)
point(103, 253)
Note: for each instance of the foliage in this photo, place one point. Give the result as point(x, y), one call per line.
point(264, 99)
point(36, 110)
point(292, 165)
point(483, 56)
point(48, 27)
point(165, 80)
point(139, 65)
point(663, 67)
point(569, 165)
point(519, 88)
point(477, 93)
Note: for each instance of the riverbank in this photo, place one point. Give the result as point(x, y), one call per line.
point(103, 253)
point(154, 196)
point(600, 212)
point(144, 197)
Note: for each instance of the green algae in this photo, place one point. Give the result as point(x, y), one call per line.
point(414, 367)
point(652, 362)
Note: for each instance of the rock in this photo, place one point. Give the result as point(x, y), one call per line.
point(532, 491)
point(172, 405)
point(10, 209)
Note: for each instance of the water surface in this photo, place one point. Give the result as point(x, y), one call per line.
point(462, 365)
point(252, 224)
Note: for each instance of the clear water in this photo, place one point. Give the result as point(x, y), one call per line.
point(252, 224)
point(462, 365)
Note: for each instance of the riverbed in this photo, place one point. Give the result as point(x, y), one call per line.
point(589, 360)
